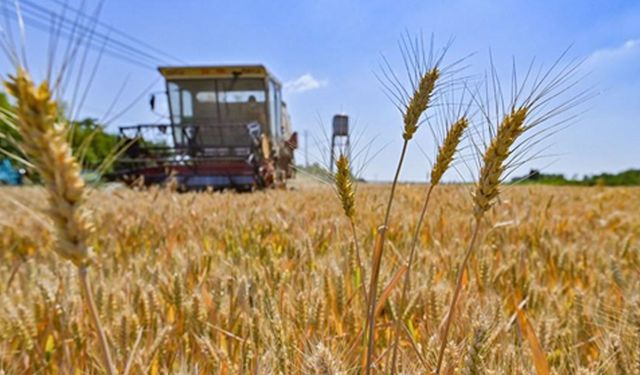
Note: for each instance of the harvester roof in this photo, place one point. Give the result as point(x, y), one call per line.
point(214, 71)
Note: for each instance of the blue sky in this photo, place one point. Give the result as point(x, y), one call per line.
point(328, 50)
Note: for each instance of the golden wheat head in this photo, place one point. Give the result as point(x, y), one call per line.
point(447, 150)
point(419, 102)
point(344, 185)
point(494, 158)
point(45, 144)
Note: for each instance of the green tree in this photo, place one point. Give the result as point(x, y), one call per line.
point(90, 141)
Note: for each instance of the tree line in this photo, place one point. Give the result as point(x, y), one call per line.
point(629, 177)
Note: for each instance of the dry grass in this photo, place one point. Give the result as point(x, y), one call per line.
point(269, 282)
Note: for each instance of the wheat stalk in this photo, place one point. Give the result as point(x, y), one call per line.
point(487, 190)
point(44, 142)
point(444, 158)
point(417, 105)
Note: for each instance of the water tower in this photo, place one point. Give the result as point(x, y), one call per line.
point(340, 137)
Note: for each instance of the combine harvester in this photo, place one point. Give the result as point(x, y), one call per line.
point(229, 128)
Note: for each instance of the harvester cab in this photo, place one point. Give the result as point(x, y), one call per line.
point(229, 128)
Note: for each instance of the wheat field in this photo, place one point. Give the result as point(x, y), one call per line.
point(477, 278)
point(265, 283)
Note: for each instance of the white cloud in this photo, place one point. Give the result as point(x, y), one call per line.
point(305, 82)
point(610, 55)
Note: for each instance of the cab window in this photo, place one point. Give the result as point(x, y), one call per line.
point(275, 109)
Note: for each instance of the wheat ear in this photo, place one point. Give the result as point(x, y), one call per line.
point(444, 158)
point(419, 102)
point(44, 142)
point(344, 185)
point(347, 195)
point(494, 158)
point(448, 149)
point(487, 190)
point(417, 105)
point(473, 359)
